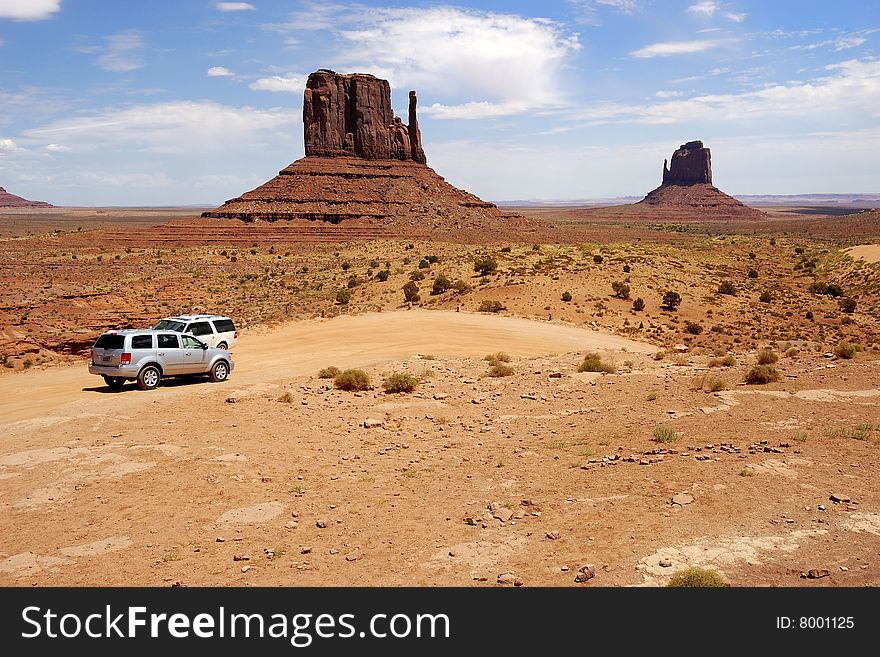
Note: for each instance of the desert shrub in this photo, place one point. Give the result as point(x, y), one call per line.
point(714, 384)
point(848, 305)
point(400, 382)
point(374, 263)
point(286, 398)
point(639, 304)
point(352, 380)
point(411, 292)
point(441, 284)
point(621, 289)
point(593, 363)
point(765, 297)
point(353, 282)
point(343, 296)
point(383, 275)
point(651, 396)
point(791, 352)
point(346, 265)
point(696, 577)
point(490, 306)
point(432, 259)
point(329, 372)
point(767, 357)
point(671, 299)
point(497, 357)
point(845, 350)
point(506, 249)
point(416, 275)
point(728, 361)
point(760, 374)
point(693, 328)
point(598, 259)
point(809, 315)
point(424, 264)
point(27, 363)
point(566, 296)
point(664, 434)
point(752, 255)
point(772, 241)
point(626, 269)
point(799, 250)
point(726, 287)
point(753, 273)
point(831, 289)
point(500, 370)
point(714, 362)
point(818, 287)
point(461, 287)
point(485, 266)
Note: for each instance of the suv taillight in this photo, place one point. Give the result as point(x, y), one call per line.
point(236, 335)
point(125, 359)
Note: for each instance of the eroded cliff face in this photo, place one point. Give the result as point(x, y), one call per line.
point(351, 116)
point(8, 200)
point(691, 165)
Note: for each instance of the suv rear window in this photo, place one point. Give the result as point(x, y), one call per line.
point(108, 341)
point(200, 328)
point(169, 325)
point(142, 342)
point(224, 325)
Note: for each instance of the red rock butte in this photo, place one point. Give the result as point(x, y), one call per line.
point(364, 168)
point(8, 200)
point(687, 186)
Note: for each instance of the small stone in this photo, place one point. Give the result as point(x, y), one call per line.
point(552, 535)
point(231, 400)
point(507, 578)
point(839, 498)
point(452, 553)
point(244, 569)
point(665, 562)
point(241, 557)
point(291, 524)
point(585, 573)
point(352, 557)
point(844, 568)
point(220, 539)
point(440, 395)
point(372, 422)
point(821, 507)
point(321, 524)
point(306, 550)
point(555, 375)
point(816, 573)
point(682, 498)
point(334, 551)
point(468, 520)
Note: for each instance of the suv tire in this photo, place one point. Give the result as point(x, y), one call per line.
point(223, 345)
point(220, 371)
point(114, 382)
point(149, 378)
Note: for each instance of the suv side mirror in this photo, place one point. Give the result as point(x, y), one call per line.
point(204, 346)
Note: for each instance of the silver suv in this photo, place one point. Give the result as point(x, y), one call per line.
point(215, 330)
point(146, 356)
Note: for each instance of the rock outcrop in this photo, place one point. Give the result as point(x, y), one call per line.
point(687, 187)
point(8, 200)
point(351, 115)
point(691, 165)
point(365, 170)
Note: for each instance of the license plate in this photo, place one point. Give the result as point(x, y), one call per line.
point(105, 359)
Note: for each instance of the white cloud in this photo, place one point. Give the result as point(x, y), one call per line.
point(736, 18)
point(56, 148)
point(220, 72)
point(844, 43)
point(8, 146)
point(29, 10)
point(234, 6)
point(121, 53)
point(172, 127)
point(626, 6)
point(668, 94)
point(704, 7)
point(472, 110)
point(668, 48)
point(290, 83)
point(851, 87)
point(472, 56)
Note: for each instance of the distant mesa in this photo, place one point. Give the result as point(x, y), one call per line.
point(366, 169)
point(8, 200)
point(687, 185)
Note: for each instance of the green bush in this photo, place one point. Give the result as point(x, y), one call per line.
point(432, 259)
point(593, 363)
point(343, 296)
point(696, 577)
point(411, 292)
point(497, 357)
point(791, 352)
point(767, 357)
point(671, 300)
point(383, 275)
point(765, 297)
point(500, 369)
point(441, 284)
point(352, 380)
point(416, 275)
point(485, 266)
point(346, 265)
point(639, 304)
point(693, 328)
point(490, 306)
point(329, 372)
point(566, 296)
point(424, 264)
point(598, 259)
point(620, 289)
point(728, 361)
point(753, 273)
point(726, 287)
point(846, 350)
point(461, 287)
point(400, 382)
point(664, 434)
point(353, 282)
point(761, 374)
point(848, 305)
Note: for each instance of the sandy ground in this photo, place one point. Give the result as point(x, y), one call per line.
point(866, 252)
point(276, 478)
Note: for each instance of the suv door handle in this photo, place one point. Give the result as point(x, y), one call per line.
point(161, 353)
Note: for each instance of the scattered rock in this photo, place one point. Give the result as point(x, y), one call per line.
point(665, 562)
point(682, 498)
point(552, 535)
point(839, 498)
point(502, 513)
point(440, 395)
point(321, 524)
point(816, 573)
point(244, 569)
point(306, 550)
point(509, 578)
point(352, 557)
point(585, 573)
point(469, 520)
point(231, 400)
point(241, 557)
point(291, 524)
point(372, 422)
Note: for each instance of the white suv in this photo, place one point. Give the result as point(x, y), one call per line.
point(214, 330)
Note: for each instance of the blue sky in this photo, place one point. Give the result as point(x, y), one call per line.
point(196, 101)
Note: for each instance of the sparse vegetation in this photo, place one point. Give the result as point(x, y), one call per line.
point(848, 305)
point(286, 398)
point(651, 396)
point(846, 350)
point(593, 363)
point(664, 434)
point(767, 357)
point(791, 352)
point(566, 296)
point(497, 357)
point(753, 273)
point(765, 297)
point(485, 266)
point(400, 382)
point(639, 304)
point(693, 328)
point(761, 374)
point(727, 287)
point(383, 275)
point(620, 289)
point(598, 259)
point(343, 296)
point(329, 372)
point(500, 369)
point(671, 300)
point(352, 380)
point(696, 577)
point(441, 284)
point(490, 306)
point(411, 292)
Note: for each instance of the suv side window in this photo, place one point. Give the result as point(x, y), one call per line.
point(142, 342)
point(168, 341)
point(200, 328)
point(189, 342)
point(224, 325)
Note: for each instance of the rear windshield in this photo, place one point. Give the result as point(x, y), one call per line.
point(169, 325)
point(108, 341)
point(224, 325)
point(200, 328)
point(142, 342)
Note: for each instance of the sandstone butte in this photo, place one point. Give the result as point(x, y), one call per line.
point(687, 186)
point(365, 168)
point(8, 200)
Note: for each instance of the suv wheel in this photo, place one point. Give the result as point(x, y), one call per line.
point(149, 378)
point(114, 382)
point(220, 371)
point(223, 345)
